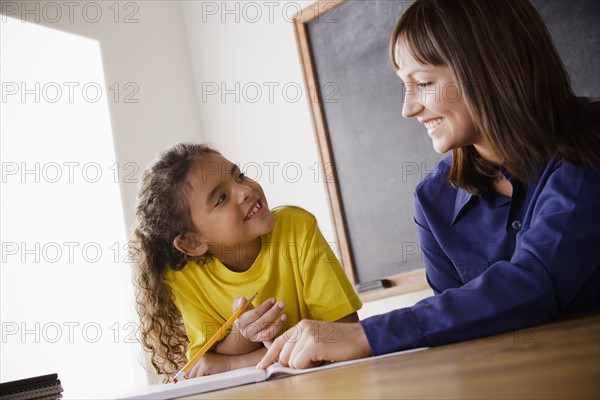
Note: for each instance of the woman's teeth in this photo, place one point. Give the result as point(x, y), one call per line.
point(434, 123)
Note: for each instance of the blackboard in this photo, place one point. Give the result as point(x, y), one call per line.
point(373, 155)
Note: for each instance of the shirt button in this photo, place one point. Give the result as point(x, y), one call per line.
point(516, 224)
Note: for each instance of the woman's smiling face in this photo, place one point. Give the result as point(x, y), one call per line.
point(434, 98)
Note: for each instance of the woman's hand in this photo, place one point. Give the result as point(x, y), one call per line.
point(260, 324)
point(311, 343)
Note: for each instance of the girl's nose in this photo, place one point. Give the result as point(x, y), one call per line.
point(412, 105)
point(244, 192)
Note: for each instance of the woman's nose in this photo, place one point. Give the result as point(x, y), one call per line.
point(412, 105)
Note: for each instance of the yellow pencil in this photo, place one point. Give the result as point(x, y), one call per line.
point(182, 374)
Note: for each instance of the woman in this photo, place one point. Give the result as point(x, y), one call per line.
point(510, 222)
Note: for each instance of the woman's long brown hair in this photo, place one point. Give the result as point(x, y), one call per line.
point(513, 82)
point(162, 213)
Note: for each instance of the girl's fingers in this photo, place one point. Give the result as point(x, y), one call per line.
point(261, 317)
point(267, 334)
point(252, 314)
point(238, 302)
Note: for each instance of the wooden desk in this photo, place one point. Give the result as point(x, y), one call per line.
point(560, 360)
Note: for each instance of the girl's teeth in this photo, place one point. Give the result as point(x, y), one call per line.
point(254, 210)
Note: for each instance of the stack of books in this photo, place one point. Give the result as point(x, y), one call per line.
point(45, 387)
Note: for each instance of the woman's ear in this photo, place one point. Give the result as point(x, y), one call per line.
point(187, 244)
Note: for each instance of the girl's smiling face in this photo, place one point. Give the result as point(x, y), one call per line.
point(434, 98)
point(228, 210)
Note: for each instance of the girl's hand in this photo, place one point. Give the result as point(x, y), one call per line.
point(311, 343)
point(213, 363)
point(210, 364)
point(260, 324)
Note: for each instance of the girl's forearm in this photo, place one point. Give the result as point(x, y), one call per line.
point(248, 359)
point(236, 344)
point(212, 363)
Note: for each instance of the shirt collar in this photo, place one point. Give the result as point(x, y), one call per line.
point(463, 197)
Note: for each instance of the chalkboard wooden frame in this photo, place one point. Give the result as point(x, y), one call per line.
point(400, 283)
point(319, 124)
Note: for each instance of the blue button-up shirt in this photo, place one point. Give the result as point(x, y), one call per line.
point(497, 263)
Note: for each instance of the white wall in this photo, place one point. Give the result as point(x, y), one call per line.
point(248, 75)
point(143, 44)
point(145, 59)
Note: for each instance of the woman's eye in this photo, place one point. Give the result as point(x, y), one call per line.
point(220, 199)
point(424, 84)
point(241, 177)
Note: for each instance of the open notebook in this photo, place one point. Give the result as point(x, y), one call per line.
point(237, 377)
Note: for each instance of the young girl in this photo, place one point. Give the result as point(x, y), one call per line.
point(206, 236)
point(510, 223)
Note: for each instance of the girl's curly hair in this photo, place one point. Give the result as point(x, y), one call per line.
point(162, 213)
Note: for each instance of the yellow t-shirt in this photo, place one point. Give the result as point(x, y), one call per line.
point(295, 264)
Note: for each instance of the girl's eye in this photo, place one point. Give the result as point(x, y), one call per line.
point(241, 177)
point(220, 199)
point(424, 84)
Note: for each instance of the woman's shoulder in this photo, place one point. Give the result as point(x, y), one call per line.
point(563, 175)
point(437, 179)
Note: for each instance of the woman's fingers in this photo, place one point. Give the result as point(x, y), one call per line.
point(311, 343)
point(273, 354)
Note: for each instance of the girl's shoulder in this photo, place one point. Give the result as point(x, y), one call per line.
point(292, 220)
point(191, 271)
point(290, 212)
